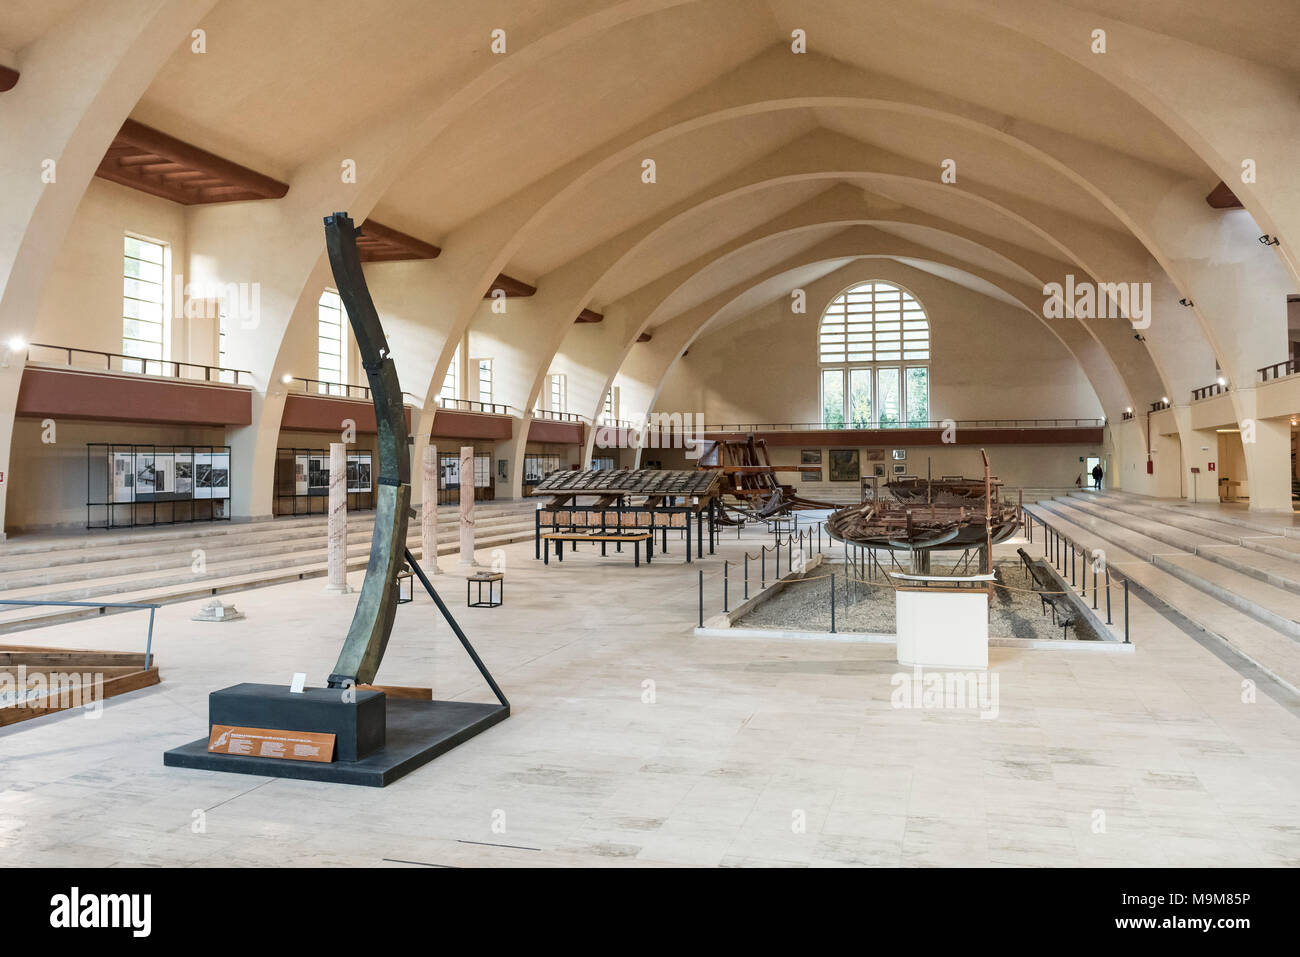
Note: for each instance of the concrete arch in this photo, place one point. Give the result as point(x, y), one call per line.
point(78, 85)
point(675, 335)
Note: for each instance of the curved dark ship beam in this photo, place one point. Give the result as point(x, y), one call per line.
point(372, 623)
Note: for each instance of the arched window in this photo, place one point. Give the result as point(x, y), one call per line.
point(874, 353)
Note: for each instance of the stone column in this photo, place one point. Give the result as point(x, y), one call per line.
point(338, 520)
point(467, 506)
point(429, 511)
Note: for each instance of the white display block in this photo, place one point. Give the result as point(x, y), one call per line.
point(942, 628)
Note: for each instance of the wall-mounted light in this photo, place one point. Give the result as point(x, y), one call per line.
point(1268, 240)
point(17, 344)
point(1164, 399)
point(286, 378)
point(1186, 302)
point(1129, 410)
point(1222, 381)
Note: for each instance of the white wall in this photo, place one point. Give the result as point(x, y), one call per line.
point(988, 359)
point(83, 302)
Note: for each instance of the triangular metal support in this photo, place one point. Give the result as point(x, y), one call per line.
point(455, 627)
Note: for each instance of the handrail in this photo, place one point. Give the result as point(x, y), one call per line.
point(1205, 391)
point(153, 608)
point(147, 364)
point(900, 426)
point(335, 390)
point(1279, 369)
point(558, 416)
point(473, 405)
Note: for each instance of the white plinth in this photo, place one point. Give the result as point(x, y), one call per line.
point(942, 628)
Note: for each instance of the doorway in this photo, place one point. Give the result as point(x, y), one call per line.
point(1089, 464)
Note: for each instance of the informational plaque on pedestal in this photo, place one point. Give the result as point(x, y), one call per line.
point(270, 743)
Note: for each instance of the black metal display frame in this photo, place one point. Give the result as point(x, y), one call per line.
point(632, 518)
point(108, 452)
point(305, 504)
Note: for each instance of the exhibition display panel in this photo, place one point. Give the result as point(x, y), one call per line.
point(302, 481)
point(141, 484)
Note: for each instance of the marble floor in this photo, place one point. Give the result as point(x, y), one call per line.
point(634, 743)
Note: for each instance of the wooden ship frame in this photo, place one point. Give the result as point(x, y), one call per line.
point(751, 490)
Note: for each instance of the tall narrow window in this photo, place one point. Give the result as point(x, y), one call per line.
point(559, 395)
point(451, 384)
point(484, 379)
point(331, 354)
point(873, 347)
point(144, 304)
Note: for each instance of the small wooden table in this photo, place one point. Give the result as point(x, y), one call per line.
point(636, 538)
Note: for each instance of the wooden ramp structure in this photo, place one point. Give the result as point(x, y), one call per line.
point(36, 681)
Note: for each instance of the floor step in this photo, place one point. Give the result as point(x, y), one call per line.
point(1179, 582)
point(235, 576)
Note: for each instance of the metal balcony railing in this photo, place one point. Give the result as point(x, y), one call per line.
point(1279, 369)
point(136, 365)
point(1076, 423)
point(474, 405)
point(1205, 391)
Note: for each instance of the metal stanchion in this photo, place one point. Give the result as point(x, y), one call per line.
point(1126, 641)
point(725, 582)
point(832, 603)
point(701, 597)
point(1108, 621)
point(746, 576)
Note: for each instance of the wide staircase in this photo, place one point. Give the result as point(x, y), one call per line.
point(1235, 575)
point(179, 563)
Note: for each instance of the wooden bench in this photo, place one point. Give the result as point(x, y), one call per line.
point(636, 538)
point(1063, 613)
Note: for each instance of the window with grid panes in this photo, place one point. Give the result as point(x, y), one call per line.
point(874, 356)
point(331, 355)
point(144, 304)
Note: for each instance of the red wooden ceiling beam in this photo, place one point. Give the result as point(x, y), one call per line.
point(644, 337)
point(151, 161)
point(1221, 197)
point(380, 243)
point(8, 78)
point(588, 315)
point(513, 288)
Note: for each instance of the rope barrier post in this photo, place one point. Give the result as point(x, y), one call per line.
point(1126, 641)
point(725, 583)
point(1094, 586)
point(832, 603)
point(701, 597)
point(762, 567)
point(777, 550)
point(746, 576)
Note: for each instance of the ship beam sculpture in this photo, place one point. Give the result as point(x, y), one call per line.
point(372, 622)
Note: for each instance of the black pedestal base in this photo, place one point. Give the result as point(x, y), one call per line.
point(417, 732)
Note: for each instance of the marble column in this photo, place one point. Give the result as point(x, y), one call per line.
point(338, 521)
point(467, 506)
point(429, 511)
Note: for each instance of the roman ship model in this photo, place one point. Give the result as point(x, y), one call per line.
point(921, 514)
